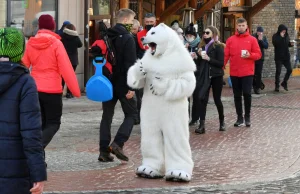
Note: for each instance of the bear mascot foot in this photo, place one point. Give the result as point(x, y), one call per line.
point(178, 176)
point(148, 172)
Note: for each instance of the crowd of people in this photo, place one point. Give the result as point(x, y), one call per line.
point(31, 101)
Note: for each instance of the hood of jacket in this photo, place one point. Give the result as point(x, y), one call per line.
point(9, 74)
point(43, 39)
point(117, 30)
point(282, 27)
point(69, 34)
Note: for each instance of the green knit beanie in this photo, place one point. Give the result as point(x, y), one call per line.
point(12, 44)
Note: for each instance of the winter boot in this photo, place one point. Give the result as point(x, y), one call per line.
point(247, 121)
point(284, 85)
point(201, 128)
point(239, 122)
point(222, 125)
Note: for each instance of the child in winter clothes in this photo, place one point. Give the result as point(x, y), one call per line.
point(22, 165)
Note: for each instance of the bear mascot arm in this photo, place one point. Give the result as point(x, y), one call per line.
point(174, 88)
point(136, 77)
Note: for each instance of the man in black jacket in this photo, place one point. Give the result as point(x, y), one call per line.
point(281, 42)
point(125, 53)
point(263, 44)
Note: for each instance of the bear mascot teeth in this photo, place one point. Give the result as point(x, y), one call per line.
point(166, 72)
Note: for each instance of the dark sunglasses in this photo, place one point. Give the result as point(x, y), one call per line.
point(206, 32)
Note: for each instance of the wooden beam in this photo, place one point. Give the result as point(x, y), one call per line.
point(172, 9)
point(206, 6)
point(193, 4)
point(258, 7)
point(124, 4)
point(140, 8)
point(159, 7)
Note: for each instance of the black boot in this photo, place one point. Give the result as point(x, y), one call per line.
point(247, 121)
point(284, 85)
point(276, 89)
point(239, 122)
point(222, 125)
point(105, 157)
point(201, 128)
point(192, 123)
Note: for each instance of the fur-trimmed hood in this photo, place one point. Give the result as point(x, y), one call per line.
point(70, 32)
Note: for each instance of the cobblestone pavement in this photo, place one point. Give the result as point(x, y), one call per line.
point(260, 159)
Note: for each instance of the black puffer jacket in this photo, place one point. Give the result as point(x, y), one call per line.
point(125, 51)
point(72, 42)
point(21, 151)
point(281, 44)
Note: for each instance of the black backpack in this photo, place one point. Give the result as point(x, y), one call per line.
point(110, 52)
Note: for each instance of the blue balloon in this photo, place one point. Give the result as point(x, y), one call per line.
point(99, 88)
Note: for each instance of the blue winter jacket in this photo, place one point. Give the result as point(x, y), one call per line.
point(21, 152)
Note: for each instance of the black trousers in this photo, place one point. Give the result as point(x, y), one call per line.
point(130, 112)
point(287, 65)
point(51, 111)
point(139, 95)
point(63, 81)
point(257, 75)
point(242, 86)
point(199, 106)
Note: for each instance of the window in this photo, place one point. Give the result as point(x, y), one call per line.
point(100, 7)
point(23, 14)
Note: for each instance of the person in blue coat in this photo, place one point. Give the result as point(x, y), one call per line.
point(22, 165)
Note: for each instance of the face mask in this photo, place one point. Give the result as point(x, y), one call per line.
point(191, 39)
point(148, 27)
point(207, 40)
point(128, 27)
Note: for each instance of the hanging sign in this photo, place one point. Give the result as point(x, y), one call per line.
point(233, 3)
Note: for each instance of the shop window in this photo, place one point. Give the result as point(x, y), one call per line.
point(24, 14)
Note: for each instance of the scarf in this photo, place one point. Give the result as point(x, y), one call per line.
point(194, 43)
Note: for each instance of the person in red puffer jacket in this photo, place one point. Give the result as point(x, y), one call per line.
point(49, 62)
point(242, 50)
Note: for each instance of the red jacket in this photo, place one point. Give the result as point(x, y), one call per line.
point(49, 61)
point(140, 35)
point(102, 45)
point(241, 67)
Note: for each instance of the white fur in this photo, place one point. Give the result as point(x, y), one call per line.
point(148, 172)
point(168, 79)
point(178, 175)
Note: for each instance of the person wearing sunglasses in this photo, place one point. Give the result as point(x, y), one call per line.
point(209, 63)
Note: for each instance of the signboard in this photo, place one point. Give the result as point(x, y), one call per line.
point(231, 3)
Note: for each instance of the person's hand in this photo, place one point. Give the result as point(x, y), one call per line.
point(282, 34)
point(129, 94)
point(260, 36)
point(206, 57)
point(193, 54)
point(187, 45)
point(37, 188)
point(247, 55)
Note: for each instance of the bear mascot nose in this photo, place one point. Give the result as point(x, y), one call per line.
point(142, 39)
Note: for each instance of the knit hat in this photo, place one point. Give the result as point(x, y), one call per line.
point(191, 30)
point(12, 44)
point(47, 22)
point(260, 29)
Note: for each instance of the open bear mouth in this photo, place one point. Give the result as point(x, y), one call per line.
point(152, 46)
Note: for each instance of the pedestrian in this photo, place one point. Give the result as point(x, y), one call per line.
point(136, 27)
point(281, 42)
point(49, 62)
point(22, 163)
point(263, 44)
point(210, 63)
point(242, 50)
point(175, 26)
point(124, 45)
point(71, 42)
point(149, 22)
point(191, 42)
point(61, 30)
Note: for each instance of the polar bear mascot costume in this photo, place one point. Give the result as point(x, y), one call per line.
point(166, 72)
